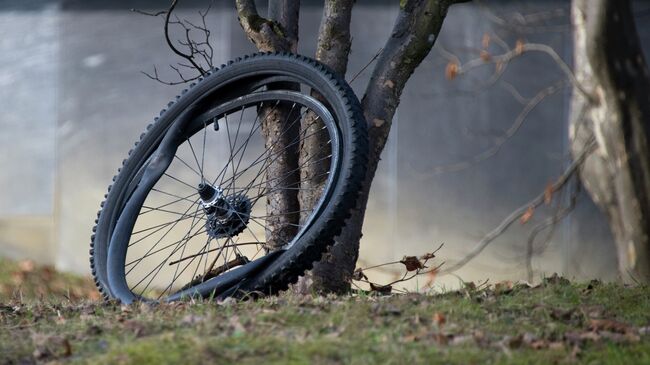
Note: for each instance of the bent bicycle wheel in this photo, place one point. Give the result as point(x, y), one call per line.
point(226, 192)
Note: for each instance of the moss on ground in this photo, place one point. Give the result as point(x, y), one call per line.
point(557, 322)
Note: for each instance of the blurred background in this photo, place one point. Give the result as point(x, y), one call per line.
point(73, 101)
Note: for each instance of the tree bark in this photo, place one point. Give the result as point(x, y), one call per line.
point(279, 33)
point(286, 13)
point(333, 49)
point(610, 67)
point(415, 31)
point(266, 34)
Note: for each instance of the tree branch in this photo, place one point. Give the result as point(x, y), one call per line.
point(551, 222)
point(416, 28)
point(414, 33)
point(189, 57)
point(501, 140)
point(519, 212)
point(286, 14)
point(200, 51)
point(266, 35)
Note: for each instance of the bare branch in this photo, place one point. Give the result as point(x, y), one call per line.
point(520, 49)
point(356, 75)
point(157, 78)
point(519, 121)
point(517, 214)
point(526, 23)
point(413, 266)
point(416, 28)
point(142, 12)
point(189, 57)
point(552, 223)
point(199, 58)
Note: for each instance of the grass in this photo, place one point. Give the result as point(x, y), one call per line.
point(557, 322)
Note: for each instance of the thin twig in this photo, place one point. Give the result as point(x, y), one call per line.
point(514, 128)
point(515, 215)
point(366, 66)
point(552, 223)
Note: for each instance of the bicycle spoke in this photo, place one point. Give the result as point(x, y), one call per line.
point(188, 166)
point(198, 236)
point(195, 158)
point(151, 209)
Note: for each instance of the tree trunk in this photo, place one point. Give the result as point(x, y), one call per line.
point(333, 49)
point(278, 33)
point(414, 33)
point(416, 28)
point(612, 105)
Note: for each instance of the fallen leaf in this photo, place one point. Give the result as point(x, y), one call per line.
point(595, 311)
point(575, 352)
point(503, 287)
point(93, 330)
point(609, 325)
point(561, 314)
point(512, 342)
point(26, 266)
point(381, 289)
point(335, 332)
point(461, 340)
point(410, 338)
point(50, 346)
point(469, 285)
point(620, 337)
point(386, 309)
point(480, 338)
point(555, 279)
point(235, 325)
point(359, 275)
point(412, 263)
point(538, 345)
point(579, 338)
point(439, 319)
point(192, 319)
point(136, 327)
point(441, 338)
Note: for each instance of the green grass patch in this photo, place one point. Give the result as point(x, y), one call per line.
point(557, 322)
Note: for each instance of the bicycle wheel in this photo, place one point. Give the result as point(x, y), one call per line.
point(208, 203)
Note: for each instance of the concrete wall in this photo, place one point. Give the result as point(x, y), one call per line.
point(74, 101)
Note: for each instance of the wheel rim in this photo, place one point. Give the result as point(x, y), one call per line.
point(224, 223)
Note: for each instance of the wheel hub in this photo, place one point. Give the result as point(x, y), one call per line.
point(227, 215)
